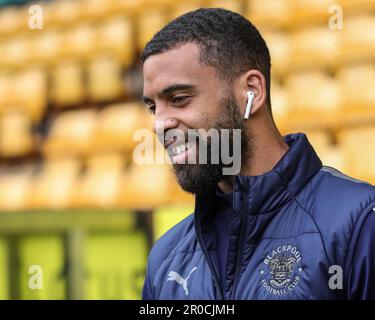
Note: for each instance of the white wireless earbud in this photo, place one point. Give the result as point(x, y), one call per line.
point(250, 98)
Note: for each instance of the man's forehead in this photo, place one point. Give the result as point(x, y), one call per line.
point(179, 65)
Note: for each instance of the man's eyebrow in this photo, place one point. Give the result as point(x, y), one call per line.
point(172, 88)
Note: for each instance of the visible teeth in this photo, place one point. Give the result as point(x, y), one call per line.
point(181, 148)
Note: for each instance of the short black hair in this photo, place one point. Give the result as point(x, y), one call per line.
point(228, 42)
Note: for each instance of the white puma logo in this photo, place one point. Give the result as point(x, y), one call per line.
point(180, 280)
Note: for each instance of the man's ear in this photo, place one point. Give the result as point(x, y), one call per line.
point(251, 81)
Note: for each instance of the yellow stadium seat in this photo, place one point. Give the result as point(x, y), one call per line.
point(183, 7)
point(313, 96)
point(116, 36)
point(65, 12)
point(2, 49)
point(359, 162)
point(46, 46)
point(357, 85)
point(307, 11)
point(356, 6)
point(15, 51)
point(233, 5)
point(149, 22)
point(5, 90)
point(314, 47)
point(130, 7)
point(323, 143)
point(279, 45)
point(11, 20)
point(100, 184)
point(29, 90)
point(15, 186)
point(105, 78)
point(116, 125)
point(67, 84)
point(358, 38)
point(333, 156)
point(269, 14)
point(80, 40)
point(72, 132)
point(55, 185)
point(15, 133)
point(146, 186)
point(95, 9)
point(280, 104)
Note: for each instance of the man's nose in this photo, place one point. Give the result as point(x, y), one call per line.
point(161, 126)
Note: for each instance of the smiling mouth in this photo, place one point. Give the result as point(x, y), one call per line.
point(181, 153)
point(181, 148)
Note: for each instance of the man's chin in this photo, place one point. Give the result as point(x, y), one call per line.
point(197, 179)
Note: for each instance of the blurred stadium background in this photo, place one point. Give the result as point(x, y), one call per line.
point(71, 198)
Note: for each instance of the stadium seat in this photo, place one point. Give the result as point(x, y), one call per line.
point(99, 185)
point(185, 6)
point(67, 83)
point(79, 41)
point(269, 14)
point(357, 6)
point(314, 47)
point(280, 105)
point(149, 22)
point(105, 78)
point(15, 186)
point(29, 90)
point(11, 20)
point(357, 83)
point(233, 5)
point(358, 39)
point(65, 12)
point(146, 186)
point(15, 51)
point(116, 36)
point(16, 137)
point(71, 132)
point(116, 125)
point(55, 184)
point(5, 89)
point(357, 162)
point(96, 9)
point(307, 12)
point(279, 45)
point(130, 7)
point(313, 96)
point(46, 46)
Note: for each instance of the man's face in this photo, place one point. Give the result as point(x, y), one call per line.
point(184, 94)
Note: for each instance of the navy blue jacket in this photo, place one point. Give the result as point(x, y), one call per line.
point(302, 231)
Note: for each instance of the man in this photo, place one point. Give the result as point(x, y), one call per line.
point(284, 227)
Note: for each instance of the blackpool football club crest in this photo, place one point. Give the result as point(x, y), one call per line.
point(281, 270)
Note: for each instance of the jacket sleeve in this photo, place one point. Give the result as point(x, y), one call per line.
point(361, 279)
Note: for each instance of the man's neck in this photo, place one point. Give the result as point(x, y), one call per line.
point(268, 147)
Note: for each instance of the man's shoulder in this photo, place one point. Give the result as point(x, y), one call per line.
point(338, 206)
point(332, 194)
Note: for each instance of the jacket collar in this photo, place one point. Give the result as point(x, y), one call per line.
point(270, 191)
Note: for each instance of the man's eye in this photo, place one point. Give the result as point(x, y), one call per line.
point(151, 109)
point(178, 99)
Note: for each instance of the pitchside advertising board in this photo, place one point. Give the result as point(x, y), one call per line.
point(112, 263)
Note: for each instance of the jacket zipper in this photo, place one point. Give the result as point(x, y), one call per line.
point(240, 248)
point(210, 263)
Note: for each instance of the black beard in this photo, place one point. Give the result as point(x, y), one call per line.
point(199, 178)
